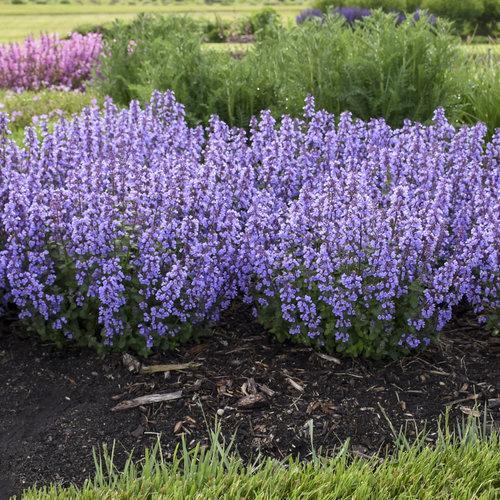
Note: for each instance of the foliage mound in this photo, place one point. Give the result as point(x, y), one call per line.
point(379, 69)
point(128, 228)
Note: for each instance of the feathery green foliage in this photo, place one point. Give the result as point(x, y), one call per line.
point(378, 69)
point(160, 53)
point(482, 99)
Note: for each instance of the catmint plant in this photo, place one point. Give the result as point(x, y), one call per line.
point(364, 238)
point(127, 228)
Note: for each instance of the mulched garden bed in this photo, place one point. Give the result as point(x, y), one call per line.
point(56, 405)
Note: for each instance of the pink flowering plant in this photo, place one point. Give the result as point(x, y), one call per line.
point(127, 228)
point(49, 62)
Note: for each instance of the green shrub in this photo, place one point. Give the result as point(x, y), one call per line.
point(85, 29)
point(260, 23)
point(463, 10)
point(386, 5)
point(488, 22)
point(482, 99)
point(160, 53)
point(413, 5)
point(216, 31)
point(265, 19)
point(376, 70)
point(469, 16)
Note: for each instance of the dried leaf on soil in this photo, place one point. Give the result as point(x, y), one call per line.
point(251, 401)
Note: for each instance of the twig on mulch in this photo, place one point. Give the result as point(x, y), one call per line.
point(169, 367)
point(347, 374)
point(266, 390)
point(295, 385)
point(471, 397)
point(134, 365)
point(328, 358)
point(145, 400)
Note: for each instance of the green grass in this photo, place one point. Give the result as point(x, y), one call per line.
point(52, 104)
point(483, 52)
point(461, 465)
point(19, 21)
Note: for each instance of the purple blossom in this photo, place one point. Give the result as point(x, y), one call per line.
point(417, 15)
point(372, 226)
point(308, 15)
point(126, 227)
point(352, 14)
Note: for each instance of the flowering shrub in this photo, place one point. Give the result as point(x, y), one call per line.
point(49, 62)
point(120, 227)
point(128, 228)
point(353, 14)
point(362, 238)
point(470, 17)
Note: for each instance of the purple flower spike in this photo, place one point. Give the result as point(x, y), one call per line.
point(128, 228)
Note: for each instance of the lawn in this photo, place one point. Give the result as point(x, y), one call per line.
point(462, 467)
point(489, 52)
point(18, 21)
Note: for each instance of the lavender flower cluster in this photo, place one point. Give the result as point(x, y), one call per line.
point(123, 224)
point(308, 15)
point(128, 228)
point(363, 238)
point(49, 62)
point(353, 14)
point(349, 14)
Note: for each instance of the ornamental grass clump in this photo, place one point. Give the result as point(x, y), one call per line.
point(363, 238)
point(49, 62)
point(127, 228)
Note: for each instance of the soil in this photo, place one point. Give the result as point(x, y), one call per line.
point(57, 405)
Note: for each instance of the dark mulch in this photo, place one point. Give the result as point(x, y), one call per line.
point(57, 405)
